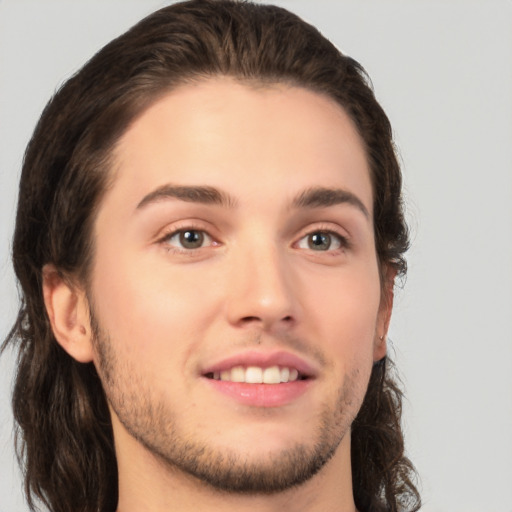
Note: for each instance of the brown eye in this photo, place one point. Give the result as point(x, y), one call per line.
point(191, 239)
point(188, 239)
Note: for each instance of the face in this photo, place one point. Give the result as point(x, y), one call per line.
point(235, 287)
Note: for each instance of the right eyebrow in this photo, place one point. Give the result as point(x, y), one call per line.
point(191, 194)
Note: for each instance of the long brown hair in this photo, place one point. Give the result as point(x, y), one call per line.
point(65, 441)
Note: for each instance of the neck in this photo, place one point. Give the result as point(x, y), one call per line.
point(147, 484)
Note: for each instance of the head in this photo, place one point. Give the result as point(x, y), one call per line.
point(71, 169)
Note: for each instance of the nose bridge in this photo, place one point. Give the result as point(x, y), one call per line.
point(262, 285)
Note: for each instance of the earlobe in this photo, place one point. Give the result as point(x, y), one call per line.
point(67, 310)
point(380, 348)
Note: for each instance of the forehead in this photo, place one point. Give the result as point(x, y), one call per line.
point(250, 138)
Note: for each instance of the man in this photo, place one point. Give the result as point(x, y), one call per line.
point(209, 228)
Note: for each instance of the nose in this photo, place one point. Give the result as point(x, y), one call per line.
point(262, 290)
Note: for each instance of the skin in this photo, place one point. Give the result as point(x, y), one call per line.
point(164, 313)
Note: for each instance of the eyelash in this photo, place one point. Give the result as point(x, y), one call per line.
point(164, 240)
point(343, 241)
point(176, 231)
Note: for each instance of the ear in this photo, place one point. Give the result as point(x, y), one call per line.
point(67, 309)
point(384, 316)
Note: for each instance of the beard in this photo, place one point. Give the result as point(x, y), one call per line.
point(164, 434)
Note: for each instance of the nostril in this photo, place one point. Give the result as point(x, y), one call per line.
point(251, 319)
point(266, 322)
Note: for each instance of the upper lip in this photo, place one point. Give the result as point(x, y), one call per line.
point(264, 359)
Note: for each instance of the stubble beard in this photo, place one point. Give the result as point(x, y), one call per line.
point(155, 427)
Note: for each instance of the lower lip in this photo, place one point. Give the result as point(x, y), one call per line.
point(262, 395)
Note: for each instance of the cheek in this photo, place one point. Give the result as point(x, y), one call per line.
point(346, 310)
point(148, 306)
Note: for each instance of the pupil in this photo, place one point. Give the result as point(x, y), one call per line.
point(320, 241)
point(191, 239)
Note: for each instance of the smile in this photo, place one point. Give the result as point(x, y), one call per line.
point(257, 375)
point(261, 378)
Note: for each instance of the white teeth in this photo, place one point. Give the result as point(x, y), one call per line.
point(254, 375)
point(238, 374)
point(272, 375)
point(257, 375)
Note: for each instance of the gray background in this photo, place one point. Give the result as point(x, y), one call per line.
point(443, 72)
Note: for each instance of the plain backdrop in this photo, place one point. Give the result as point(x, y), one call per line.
point(443, 72)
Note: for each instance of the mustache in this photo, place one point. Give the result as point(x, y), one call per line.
point(285, 340)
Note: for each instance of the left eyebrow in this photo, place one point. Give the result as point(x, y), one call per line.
point(321, 197)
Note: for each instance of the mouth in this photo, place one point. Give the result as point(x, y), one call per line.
point(258, 375)
point(261, 379)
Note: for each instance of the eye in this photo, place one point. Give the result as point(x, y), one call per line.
point(188, 239)
point(321, 241)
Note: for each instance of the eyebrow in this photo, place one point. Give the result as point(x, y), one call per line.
point(191, 194)
point(321, 197)
point(315, 197)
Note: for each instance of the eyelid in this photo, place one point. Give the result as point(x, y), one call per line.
point(207, 239)
point(174, 229)
point(339, 242)
point(328, 228)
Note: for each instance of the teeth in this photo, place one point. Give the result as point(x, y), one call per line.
point(254, 375)
point(237, 374)
point(257, 375)
point(272, 375)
